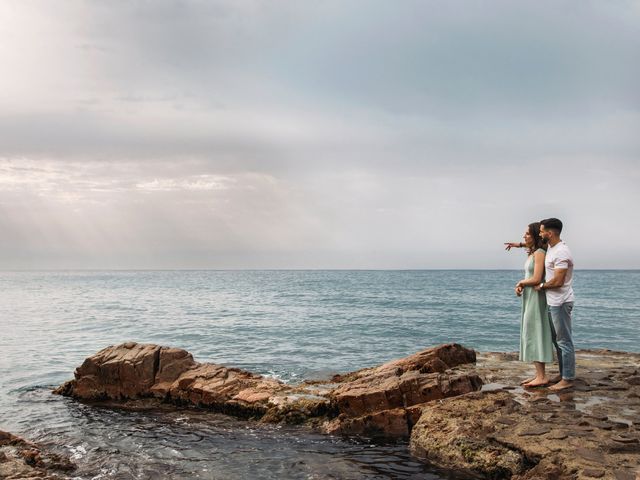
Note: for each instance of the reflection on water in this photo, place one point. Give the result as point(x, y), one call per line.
point(188, 443)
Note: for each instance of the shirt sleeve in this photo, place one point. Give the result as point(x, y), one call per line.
point(562, 260)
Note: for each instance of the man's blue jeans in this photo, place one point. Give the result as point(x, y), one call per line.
point(560, 319)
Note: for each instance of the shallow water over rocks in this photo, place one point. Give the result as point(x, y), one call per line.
point(190, 443)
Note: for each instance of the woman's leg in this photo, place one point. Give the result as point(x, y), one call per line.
point(541, 377)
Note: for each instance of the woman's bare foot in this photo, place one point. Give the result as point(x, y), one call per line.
point(561, 385)
point(528, 380)
point(537, 382)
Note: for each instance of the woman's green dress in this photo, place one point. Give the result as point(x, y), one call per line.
point(535, 330)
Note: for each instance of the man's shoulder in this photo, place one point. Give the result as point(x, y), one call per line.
point(564, 248)
point(562, 252)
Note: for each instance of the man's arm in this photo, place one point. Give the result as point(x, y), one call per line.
point(557, 281)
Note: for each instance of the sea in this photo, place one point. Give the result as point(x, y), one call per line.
point(290, 325)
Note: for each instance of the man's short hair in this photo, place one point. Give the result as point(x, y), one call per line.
point(552, 224)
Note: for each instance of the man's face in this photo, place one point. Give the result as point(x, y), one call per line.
point(544, 234)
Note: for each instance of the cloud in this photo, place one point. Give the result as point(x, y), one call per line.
point(353, 134)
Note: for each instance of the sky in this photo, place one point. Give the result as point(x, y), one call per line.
point(316, 134)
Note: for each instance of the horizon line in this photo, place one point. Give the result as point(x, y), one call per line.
point(287, 269)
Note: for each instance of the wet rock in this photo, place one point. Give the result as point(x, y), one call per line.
point(432, 396)
point(602, 425)
point(22, 459)
point(381, 401)
point(625, 440)
point(586, 433)
point(449, 437)
point(634, 380)
point(389, 398)
point(601, 418)
point(133, 371)
point(539, 400)
point(620, 423)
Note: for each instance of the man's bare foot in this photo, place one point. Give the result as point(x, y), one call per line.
point(561, 385)
point(537, 382)
point(555, 379)
point(528, 380)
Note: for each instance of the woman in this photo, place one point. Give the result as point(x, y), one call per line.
point(535, 332)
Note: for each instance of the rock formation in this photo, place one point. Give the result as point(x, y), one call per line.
point(381, 401)
point(388, 400)
point(21, 459)
point(471, 418)
point(588, 432)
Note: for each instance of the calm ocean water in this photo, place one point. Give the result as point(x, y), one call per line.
point(289, 324)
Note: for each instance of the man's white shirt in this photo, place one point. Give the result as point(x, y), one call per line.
point(559, 256)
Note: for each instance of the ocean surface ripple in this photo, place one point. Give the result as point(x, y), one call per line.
point(291, 325)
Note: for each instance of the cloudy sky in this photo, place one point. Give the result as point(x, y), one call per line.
point(316, 134)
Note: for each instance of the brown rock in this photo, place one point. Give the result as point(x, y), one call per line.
point(387, 423)
point(506, 421)
point(172, 363)
point(625, 475)
point(32, 457)
point(592, 473)
point(382, 388)
point(123, 372)
point(602, 425)
point(634, 380)
point(131, 371)
point(547, 469)
point(432, 396)
point(539, 430)
point(624, 439)
point(590, 455)
point(373, 400)
point(20, 458)
point(364, 396)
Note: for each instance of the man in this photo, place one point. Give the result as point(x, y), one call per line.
point(559, 293)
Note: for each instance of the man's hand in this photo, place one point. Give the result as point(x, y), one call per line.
point(519, 288)
point(538, 287)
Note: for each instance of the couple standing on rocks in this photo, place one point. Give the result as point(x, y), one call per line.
point(547, 302)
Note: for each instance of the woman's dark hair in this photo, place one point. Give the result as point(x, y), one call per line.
point(538, 241)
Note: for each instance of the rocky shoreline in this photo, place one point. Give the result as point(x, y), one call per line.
point(506, 431)
point(460, 411)
point(383, 401)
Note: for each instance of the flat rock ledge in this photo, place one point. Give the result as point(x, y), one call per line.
point(506, 431)
point(384, 401)
point(22, 459)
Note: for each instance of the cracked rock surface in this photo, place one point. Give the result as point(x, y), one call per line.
point(506, 431)
point(384, 401)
